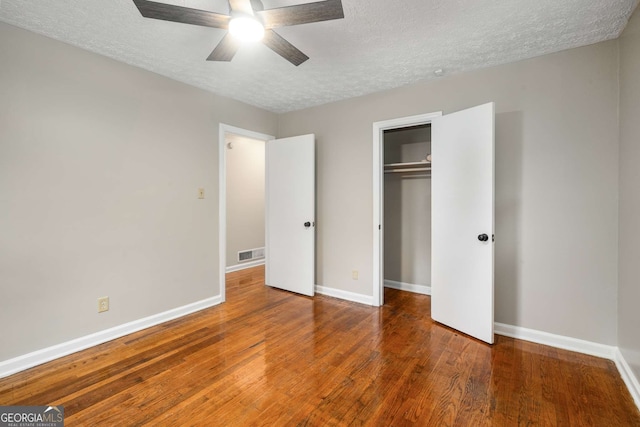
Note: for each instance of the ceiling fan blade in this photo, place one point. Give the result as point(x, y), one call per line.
point(302, 13)
point(185, 15)
point(241, 6)
point(226, 49)
point(283, 48)
point(257, 5)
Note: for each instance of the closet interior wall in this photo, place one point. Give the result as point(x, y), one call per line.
point(407, 209)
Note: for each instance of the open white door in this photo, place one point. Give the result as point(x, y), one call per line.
point(462, 221)
point(290, 214)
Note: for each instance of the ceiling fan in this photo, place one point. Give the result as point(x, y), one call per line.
point(253, 14)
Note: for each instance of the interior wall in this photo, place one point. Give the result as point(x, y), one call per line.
point(556, 184)
point(245, 195)
point(100, 165)
point(629, 288)
point(407, 209)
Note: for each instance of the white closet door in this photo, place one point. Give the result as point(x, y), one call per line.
point(463, 221)
point(290, 214)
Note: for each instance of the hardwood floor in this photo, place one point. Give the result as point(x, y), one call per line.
point(268, 357)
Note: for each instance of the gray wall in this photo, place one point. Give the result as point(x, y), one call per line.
point(407, 209)
point(556, 184)
point(245, 196)
point(629, 288)
point(100, 164)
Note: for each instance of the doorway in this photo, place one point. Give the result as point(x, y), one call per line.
point(245, 202)
point(379, 129)
point(239, 219)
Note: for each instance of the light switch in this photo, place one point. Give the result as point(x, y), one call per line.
point(200, 193)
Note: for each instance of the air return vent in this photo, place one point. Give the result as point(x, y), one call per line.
point(250, 255)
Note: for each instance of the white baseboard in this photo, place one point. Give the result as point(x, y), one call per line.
point(577, 345)
point(559, 341)
point(346, 295)
point(628, 376)
point(38, 357)
point(244, 265)
point(409, 287)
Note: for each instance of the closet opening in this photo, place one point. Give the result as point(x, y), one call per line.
point(407, 208)
point(402, 205)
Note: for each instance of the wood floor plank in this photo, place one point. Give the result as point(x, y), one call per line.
point(269, 357)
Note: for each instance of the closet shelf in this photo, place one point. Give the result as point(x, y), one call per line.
point(407, 167)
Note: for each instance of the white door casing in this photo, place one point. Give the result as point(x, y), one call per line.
point(290, 214)
point(462, 288)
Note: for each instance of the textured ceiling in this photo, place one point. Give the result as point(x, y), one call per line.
point(381, 44)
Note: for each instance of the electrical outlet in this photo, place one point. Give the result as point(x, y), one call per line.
point(200, 193)
point(354, 274)
point(103, 304)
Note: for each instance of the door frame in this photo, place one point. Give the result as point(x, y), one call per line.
point(378, 194)
point(222, 196)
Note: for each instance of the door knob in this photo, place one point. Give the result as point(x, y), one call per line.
point(307, 224)
point(483, 237)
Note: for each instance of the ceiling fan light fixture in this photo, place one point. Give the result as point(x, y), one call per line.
point(247, 20)
point(246, 29)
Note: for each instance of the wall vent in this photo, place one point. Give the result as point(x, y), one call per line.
point(250, 255)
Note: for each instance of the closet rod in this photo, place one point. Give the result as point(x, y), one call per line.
point(407, 170)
